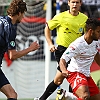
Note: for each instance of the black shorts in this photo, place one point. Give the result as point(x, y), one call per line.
point(3, 79)
point(58, 53)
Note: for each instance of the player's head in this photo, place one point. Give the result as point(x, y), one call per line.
point(17, 7)
point(93, 28)
point(74, 5)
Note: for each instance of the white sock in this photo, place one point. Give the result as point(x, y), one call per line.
point(70, 96)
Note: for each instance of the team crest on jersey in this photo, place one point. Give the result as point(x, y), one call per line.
point(67, 52)
point(80, 29)
point(12, 43)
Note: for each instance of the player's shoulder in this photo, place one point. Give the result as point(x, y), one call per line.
point(78, 42)
point(4, 20)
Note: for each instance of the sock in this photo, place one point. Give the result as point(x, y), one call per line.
point(11, 99)
point(70, 96)
point(49, 90)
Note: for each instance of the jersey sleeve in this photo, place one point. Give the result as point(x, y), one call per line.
point(11, 45)
point(11, 42)
point(70, 52)
point(2, 36)
point(55, 22)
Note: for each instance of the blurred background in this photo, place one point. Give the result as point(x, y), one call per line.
point(31, 74)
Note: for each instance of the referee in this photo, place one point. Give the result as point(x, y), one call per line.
point(69, 25)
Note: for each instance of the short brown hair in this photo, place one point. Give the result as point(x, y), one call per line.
point(92, 23)
point(15, 7)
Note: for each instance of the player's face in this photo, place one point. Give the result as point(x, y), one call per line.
point(20, 16)
point(96, 34)
point(74, 5)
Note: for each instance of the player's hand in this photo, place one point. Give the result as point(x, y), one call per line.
point(65, 73)
point(52, 48)
point(34, 46)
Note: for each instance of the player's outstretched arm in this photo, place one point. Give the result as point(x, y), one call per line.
point(13, 54)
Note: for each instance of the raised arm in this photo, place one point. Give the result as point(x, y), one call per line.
point(13, 54)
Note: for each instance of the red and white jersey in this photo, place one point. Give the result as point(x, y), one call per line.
point(81, 55)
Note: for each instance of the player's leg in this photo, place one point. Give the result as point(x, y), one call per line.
point(65, 95)
point(94, 91)
point(70, 96)
point(52, 86)
point(90, 93)
point(49, 90)
point(79, 84)
point(9, 91)
point(58, 77)
point(82, 92)
point(6, 88)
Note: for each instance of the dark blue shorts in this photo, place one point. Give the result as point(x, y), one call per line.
point(3, 79)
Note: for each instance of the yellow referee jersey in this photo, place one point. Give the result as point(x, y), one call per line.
point(68, 27)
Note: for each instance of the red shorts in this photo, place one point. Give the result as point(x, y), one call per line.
point(77, 79)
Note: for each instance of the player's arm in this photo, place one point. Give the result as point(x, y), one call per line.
point(71, 51)
point(48, 38)
point(13, 54)
point(97, 58)
point(63, 67)
point(48, 35)
point(67, 55)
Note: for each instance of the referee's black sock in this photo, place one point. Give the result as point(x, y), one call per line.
point(49, 90)
point(11, 99)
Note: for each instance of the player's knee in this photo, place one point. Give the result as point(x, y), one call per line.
point(85, 96)
point(58, 82)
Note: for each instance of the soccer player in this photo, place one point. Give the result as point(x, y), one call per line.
point(82, 52)
point(70, 25)
point(8, 26)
